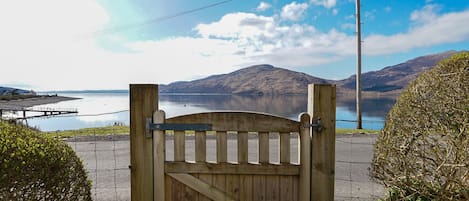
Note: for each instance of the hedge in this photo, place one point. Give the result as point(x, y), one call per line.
point(34, 167)
point(423, 151)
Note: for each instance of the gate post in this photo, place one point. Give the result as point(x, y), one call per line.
point(321, 107)
point(143, 102)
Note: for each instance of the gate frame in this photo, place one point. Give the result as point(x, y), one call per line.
point(144, 102)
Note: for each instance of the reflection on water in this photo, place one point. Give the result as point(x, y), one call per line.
point(90, 104)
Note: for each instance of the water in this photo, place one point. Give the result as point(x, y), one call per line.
point(105, 109)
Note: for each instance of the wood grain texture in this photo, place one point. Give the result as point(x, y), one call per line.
point(200, 147)
point(201, 187)
point(228, 168)
point(242, 147)
point(159, 142)
point(272, 188)
point(246, 188)
point(321, 105)
point(179, 146)
point(143, 102)
point(284, 148)
point(263, 145)
point(222, 147)
point(239, 121)
point(258, 188)
point(305, 158)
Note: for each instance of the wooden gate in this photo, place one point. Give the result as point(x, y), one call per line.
point(154, 177)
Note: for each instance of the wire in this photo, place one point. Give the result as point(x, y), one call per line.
point(159, 19)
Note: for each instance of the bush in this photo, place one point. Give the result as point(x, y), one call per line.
point(33, 167)
point(423, 151)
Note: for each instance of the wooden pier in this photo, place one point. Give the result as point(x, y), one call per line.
point(38, 112)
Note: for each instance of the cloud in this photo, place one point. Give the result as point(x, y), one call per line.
point(443, 29)
point(293, 11)
point(264, 40)
point(325, 3)
point(425, 15)
point(263, 6)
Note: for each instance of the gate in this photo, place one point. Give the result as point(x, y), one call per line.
point(153, 177)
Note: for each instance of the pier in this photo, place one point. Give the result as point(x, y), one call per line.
point(37, 112)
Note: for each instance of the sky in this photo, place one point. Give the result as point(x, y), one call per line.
point(109, 44)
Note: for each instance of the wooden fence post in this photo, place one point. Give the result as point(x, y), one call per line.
point(321, 106)
point(143, 102)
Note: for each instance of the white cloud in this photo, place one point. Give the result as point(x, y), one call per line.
point(447, 28)
point(263, 6)
point(425, 15)
point(325, 3)
point(293, 11)
point(264, 40)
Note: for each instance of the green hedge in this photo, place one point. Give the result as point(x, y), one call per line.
point(33, 167)
point(423, 151)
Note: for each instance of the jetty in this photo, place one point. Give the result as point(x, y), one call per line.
point(27, 113)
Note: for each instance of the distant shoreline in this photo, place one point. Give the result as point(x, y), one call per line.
point(33, 101)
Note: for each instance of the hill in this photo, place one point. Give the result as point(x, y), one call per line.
point(259, 79)
point(394, 78)
point(266, 79)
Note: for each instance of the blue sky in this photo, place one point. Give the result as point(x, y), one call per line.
point(107, 44)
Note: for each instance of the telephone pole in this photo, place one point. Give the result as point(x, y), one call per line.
point(359, 67)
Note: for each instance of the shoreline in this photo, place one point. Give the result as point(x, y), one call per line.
point(33, 101)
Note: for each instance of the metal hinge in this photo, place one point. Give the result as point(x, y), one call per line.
point(316, 125)
point(175, 127)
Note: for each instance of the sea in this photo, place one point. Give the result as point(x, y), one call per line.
point(97, 109)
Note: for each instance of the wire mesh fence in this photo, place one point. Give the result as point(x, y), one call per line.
point(107, 159)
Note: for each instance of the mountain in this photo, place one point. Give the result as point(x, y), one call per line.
point(259, 79)
point(394, 78)
point(266, 79)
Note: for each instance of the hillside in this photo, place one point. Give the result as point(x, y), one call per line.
point(259, 79)
point(394, 78)
point(266, 79)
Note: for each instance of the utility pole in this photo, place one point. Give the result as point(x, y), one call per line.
point(359, 67)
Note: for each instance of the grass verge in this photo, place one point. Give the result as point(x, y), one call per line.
point(108, 130)
point(123, 130)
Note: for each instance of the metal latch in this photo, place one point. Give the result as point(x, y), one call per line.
point(175, 127)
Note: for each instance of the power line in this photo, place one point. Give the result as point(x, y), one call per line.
point(159, 19)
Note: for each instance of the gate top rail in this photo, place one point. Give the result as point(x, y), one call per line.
point(241, 121)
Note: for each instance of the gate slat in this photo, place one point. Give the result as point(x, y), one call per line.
point(258, 188)
point(232, 186)
point(200, 147)
point(272, 188)
point(242, 147)
point(222, 149)
point(246, 191)
point(284, 147)
point(286, 187)
point(159, 153)
point(263, 145)
point(179, 146)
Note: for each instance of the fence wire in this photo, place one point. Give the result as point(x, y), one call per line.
point(107, 158)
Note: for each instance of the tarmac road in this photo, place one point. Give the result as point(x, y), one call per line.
point(107, 160)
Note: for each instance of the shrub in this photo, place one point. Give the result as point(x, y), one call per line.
point(423, 151)
point(33, 167)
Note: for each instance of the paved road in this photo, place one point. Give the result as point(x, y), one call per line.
point(107, 162)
